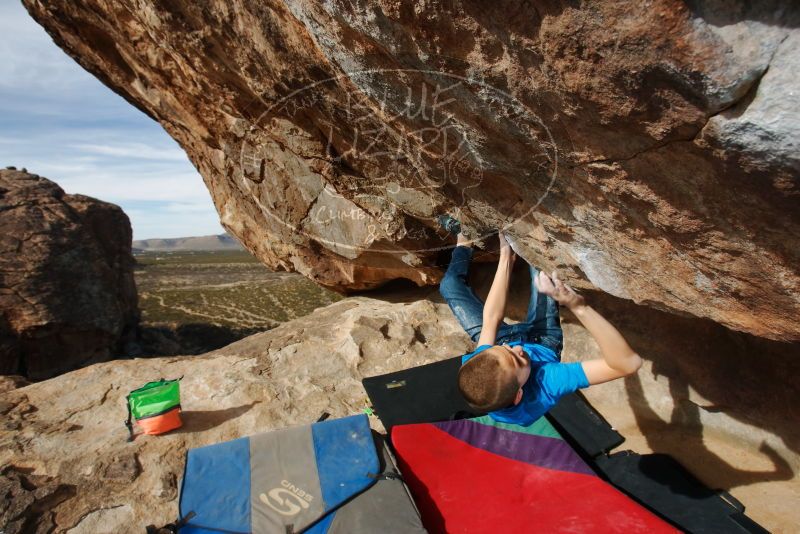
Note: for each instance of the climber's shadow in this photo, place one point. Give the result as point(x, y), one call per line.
point(749, 379)
point(201, 420)
point(682, 437)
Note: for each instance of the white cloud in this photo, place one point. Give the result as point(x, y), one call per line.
point(30, 58)
point(58, 121)
point(165, 223)
point(126, 181)
point(135, 151)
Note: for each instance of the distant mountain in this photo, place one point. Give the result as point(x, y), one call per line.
point(206, 242)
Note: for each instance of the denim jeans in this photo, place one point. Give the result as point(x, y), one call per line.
point(542, 324)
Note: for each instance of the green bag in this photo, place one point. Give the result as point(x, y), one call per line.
point(156, 407)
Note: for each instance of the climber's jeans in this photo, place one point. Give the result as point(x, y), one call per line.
point(542, 324)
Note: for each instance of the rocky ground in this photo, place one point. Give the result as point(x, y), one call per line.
point(63, 446)
point(67, 465)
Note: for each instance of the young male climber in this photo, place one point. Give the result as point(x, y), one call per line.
point(515, 372)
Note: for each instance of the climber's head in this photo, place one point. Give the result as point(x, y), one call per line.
point(493, 379)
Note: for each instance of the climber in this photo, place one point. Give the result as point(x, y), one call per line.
point(515, 372)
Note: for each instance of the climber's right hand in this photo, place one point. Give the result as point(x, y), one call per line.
point(554, 287)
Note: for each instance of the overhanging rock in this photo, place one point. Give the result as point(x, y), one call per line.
point(648, 150)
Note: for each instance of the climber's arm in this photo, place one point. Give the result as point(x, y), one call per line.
point(495, 308)
point(619, 359)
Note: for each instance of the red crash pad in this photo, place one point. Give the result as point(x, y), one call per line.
point(476, 475)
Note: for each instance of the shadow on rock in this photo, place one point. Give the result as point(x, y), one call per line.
point(748, 378)
point(187, 339)
point(202, 420)
point(397, 291)
point(29, 500)
point(683, 434)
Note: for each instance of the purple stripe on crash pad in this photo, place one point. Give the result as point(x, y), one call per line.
point(541, 451)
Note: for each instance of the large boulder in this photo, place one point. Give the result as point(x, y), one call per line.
point(67, 294)
point(647, 148)
point(65, 458)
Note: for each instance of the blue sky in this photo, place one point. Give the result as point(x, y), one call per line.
point(60, 122)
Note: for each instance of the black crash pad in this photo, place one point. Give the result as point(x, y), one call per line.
point(664, 486)
point(423, 394)
point(583, 426)
point(429, 393)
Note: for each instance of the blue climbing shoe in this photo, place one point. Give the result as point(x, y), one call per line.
point(449, 224)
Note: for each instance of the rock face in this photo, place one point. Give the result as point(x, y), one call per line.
point(63, 449)
point(71, 427)
point(67, 294)
point(648, 149)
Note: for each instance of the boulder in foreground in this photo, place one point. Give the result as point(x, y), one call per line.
point(65, 437)
point(67, 293)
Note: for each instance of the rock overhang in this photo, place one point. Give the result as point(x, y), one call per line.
point(331, 135)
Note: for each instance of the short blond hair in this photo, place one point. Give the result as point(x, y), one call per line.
point(485, 384)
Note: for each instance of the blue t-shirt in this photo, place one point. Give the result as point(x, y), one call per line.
point(549, 381)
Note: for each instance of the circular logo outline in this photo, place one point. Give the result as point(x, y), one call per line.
point(248, 184)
